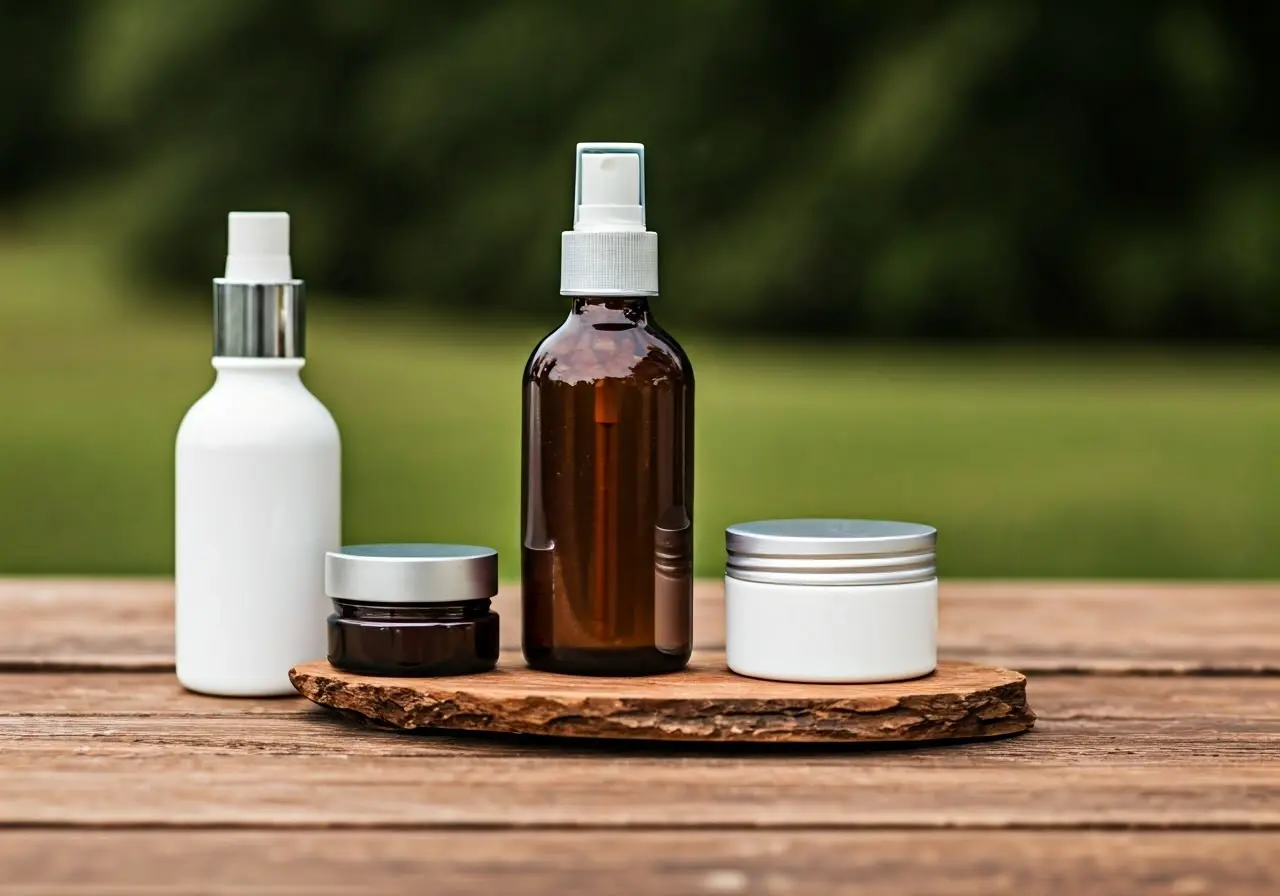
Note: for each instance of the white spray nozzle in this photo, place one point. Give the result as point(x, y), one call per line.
point(258, 247)
point(609, 187)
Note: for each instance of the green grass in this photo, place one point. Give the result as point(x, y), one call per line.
point(1030, 463)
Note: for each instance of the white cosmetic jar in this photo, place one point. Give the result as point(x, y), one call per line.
point(831, 600)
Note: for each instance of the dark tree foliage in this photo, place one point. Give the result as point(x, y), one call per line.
point(942, 169)
point(39, 43)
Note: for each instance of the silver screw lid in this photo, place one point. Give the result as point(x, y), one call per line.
point(831, 552)
point(411, 573)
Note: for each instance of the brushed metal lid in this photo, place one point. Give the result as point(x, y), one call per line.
point(831, 552)
point(411, 573)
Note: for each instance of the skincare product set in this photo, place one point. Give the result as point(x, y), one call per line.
point(263, 583)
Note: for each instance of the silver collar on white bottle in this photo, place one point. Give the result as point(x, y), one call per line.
point(259, 320)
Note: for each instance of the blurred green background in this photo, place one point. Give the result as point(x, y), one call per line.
point(1010, 268)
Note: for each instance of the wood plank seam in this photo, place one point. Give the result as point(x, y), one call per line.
point(644, 827)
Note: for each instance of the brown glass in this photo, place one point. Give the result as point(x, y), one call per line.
point(447, 638)
point(607, 535)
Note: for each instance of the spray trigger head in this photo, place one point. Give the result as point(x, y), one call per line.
point(609, 187)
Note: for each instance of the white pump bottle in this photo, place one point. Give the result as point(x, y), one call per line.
point(258, 484)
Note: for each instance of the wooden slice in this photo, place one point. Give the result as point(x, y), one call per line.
point(706, 702)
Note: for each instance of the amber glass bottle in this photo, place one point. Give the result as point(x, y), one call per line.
point(608, 494)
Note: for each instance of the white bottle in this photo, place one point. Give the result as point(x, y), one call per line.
point(258, 484)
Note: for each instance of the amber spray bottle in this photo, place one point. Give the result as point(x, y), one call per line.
point(608, 448)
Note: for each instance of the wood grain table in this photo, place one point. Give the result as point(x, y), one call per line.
point(1154, 768)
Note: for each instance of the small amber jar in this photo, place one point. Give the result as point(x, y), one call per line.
point(412, 609)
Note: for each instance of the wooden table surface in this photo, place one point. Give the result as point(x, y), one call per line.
point(1154, 768)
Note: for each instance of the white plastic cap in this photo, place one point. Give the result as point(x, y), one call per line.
point(609, 191)
point(609, 252)
point(258, 247)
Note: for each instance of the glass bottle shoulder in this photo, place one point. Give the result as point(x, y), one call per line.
point(591, 348)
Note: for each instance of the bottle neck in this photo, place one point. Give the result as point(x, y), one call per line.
point(281, 370)
point(629, 311)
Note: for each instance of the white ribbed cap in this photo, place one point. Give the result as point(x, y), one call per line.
point(258, 247)
point(609, 251)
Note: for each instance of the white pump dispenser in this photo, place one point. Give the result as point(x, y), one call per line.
point(609, 252)
point(258, 248)
point(258, 484)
